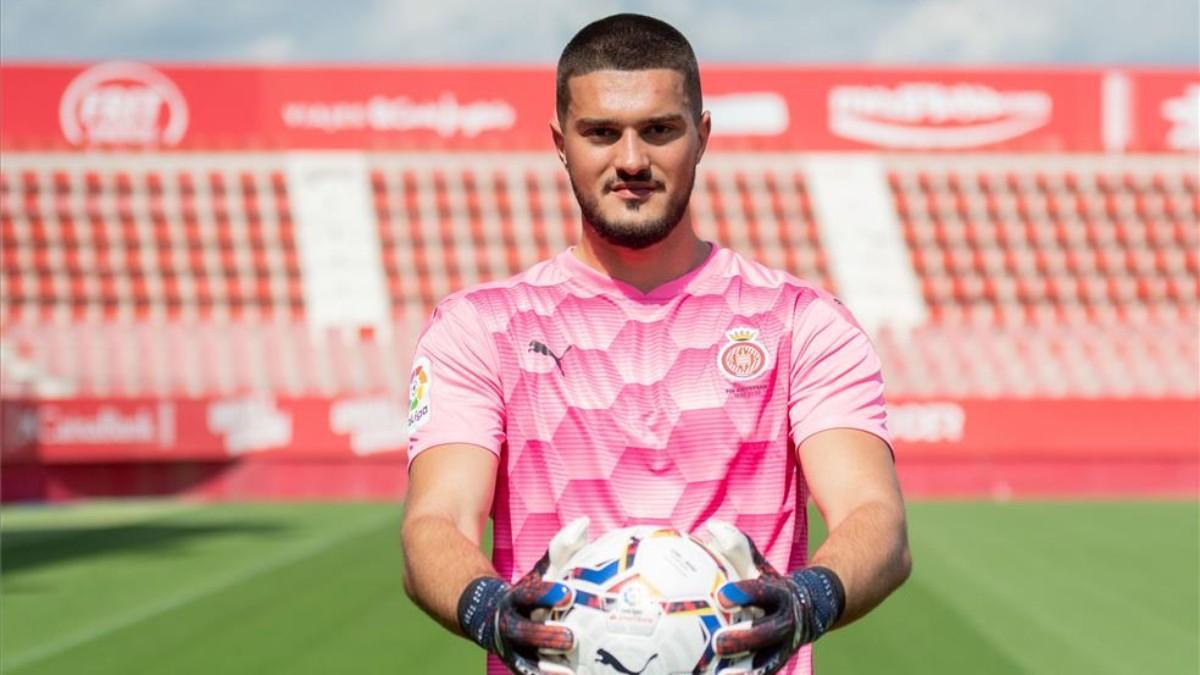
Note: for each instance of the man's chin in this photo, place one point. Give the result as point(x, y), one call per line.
point(635, 217)
point(635, 235)
point(634, 226)
point(619, 206)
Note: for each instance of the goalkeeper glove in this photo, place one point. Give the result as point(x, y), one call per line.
point(498, 616)
point(795, 609)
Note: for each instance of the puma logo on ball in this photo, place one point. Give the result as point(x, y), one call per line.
point(605, 658)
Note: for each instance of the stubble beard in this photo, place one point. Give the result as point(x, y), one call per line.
point(639, 234)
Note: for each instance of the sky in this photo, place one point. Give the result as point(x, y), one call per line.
point(886, 32)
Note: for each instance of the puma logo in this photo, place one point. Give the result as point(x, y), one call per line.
point(605, 658)
point(539, 348)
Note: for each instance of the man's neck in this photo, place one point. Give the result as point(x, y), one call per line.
point(648, 268)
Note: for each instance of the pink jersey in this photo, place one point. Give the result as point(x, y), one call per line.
point(669, 407)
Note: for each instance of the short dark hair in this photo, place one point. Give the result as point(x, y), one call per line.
point(627, 42)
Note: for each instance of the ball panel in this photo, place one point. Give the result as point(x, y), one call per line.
point(644, 603)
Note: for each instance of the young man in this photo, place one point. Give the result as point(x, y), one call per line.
point(646, 376)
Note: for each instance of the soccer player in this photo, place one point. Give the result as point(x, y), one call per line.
point(646, 377)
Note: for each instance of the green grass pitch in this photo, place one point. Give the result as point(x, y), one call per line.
point(170, 587)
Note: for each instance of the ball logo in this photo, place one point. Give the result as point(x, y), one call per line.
point(633, 596)
point(634, 612)
point(743, 357)
point(122, 103)
point(418, 394)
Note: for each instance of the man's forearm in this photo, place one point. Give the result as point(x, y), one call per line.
point(439, 562)
point(868, 551)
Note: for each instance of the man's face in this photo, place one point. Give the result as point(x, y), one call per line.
point(630, 145)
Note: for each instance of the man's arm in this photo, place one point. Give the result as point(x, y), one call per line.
point(450, 492)
point(852, 478)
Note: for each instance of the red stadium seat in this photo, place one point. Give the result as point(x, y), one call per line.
point(184, 259)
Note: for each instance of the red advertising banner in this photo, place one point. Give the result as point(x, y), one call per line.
point(1100, 429)
point(260, 427)
point(129, 105)
point(1166, 111)
point(252, 427)
point(132, 105)
point(939, 110)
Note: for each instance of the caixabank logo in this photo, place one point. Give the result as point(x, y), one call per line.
point(74, 423)
point(122, 103)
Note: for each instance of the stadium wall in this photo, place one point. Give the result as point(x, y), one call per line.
point(268, 448)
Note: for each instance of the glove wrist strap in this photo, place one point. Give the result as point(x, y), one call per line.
point(477, 610)
point(827, 597)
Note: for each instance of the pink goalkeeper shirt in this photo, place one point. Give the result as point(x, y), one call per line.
point(669, 407)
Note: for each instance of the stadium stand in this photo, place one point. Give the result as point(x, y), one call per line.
point(1049, 278)
point(221, 297)
point(182, 276)
point(160, 244)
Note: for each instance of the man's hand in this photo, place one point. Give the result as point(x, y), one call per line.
point(498, 616)
point(793, 610)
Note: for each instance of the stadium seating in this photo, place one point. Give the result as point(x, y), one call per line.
point(159, 244)
point(1061, 246)
point(182, 276)
point(1049, 281)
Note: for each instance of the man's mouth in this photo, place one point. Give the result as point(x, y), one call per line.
point(633, 189)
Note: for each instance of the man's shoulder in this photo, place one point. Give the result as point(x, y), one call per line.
point(759, 286)
point(749, 273)
point(506, 295)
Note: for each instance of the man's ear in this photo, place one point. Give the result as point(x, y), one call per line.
point(559, 141)
point(704, 130)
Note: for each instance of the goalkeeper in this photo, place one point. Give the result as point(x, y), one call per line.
point(646, 376)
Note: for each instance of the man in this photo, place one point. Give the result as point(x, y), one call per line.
point(646, 376)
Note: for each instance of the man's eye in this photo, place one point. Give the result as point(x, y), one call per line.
point(659, 131)
point(601, 133)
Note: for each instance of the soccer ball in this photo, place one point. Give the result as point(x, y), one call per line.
point(645, 603)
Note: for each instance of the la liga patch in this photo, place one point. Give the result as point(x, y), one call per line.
point(419, 407)
point(744, 356)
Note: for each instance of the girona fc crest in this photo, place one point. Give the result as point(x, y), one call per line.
point(744, 357)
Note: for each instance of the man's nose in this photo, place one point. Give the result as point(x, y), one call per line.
point(631, 154)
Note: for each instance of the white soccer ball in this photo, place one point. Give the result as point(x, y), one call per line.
point(645, 604)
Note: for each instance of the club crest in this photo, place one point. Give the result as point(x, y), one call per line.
point(743, 357)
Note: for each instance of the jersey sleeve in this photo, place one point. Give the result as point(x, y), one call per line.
point(836, 377)
point(454, 388)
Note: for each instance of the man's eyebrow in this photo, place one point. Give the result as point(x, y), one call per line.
point(608, 122)
point(665, 119)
